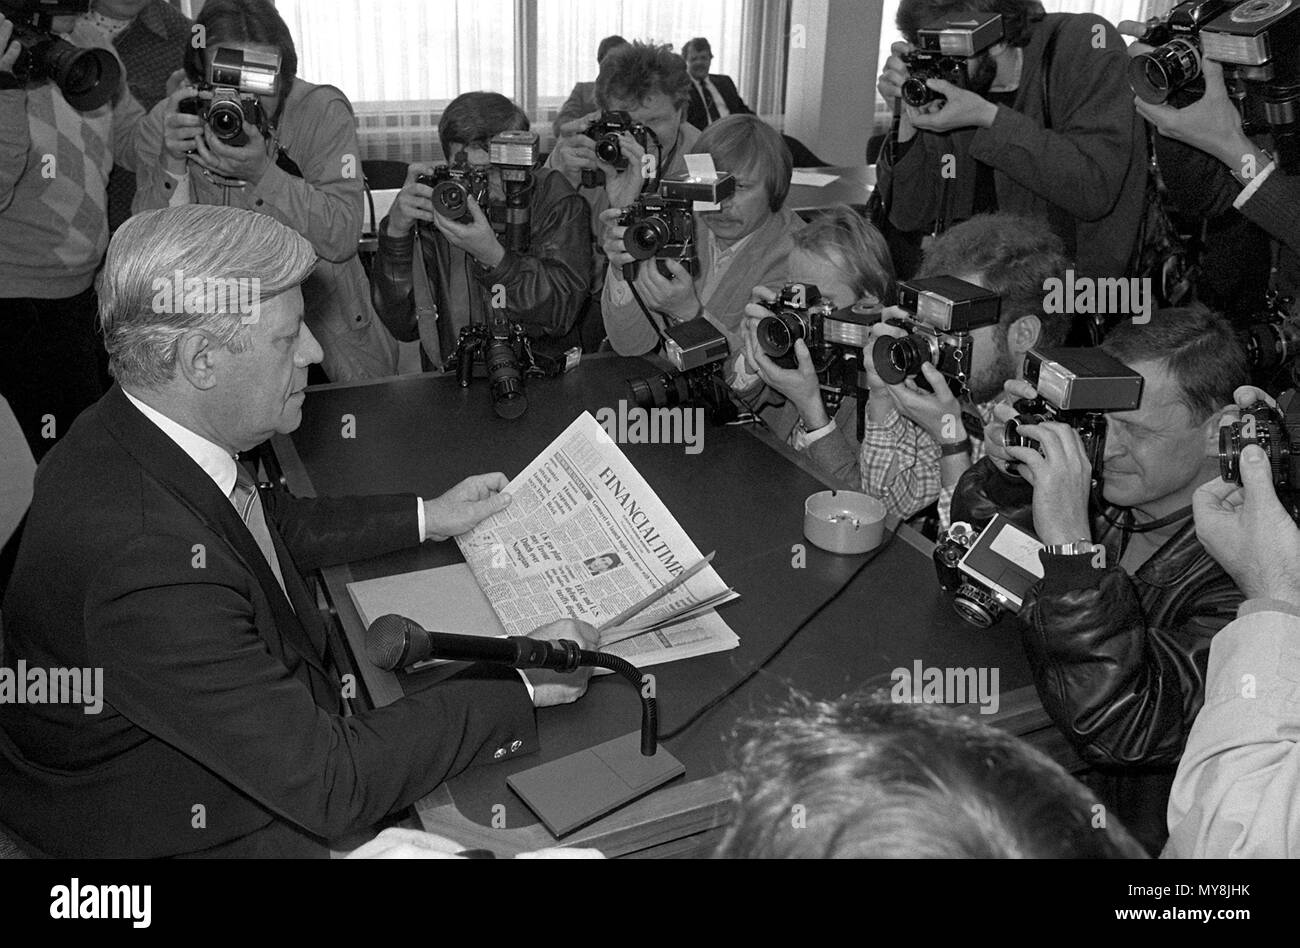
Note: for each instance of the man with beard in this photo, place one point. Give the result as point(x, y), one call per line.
point(1046, 128)
point(917, 444)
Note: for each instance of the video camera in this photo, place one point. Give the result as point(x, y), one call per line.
point(945, 310)
point(227, 97)
point(942, 50)
point(88, 78)
point(514, 155)
point(1076, 387)
point(505, 351)
point(1258, 42)
point(698, 352)
point(1277, 431)
point(662, 226)
point(605, 132)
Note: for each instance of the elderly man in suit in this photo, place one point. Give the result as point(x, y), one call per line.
point(152, 555)
point(713, 96)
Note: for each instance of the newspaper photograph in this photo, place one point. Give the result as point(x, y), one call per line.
point(586, 538)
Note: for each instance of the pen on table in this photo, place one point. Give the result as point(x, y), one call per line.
point(655, 596)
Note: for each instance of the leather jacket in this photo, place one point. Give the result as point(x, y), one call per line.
point(1118, 660)
point(546, 288)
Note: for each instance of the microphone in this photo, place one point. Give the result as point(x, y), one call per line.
point(394, 641)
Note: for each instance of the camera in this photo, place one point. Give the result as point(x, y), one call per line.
point(453, 185)
point(504, 350)
point(1076, 387)
point(88, 78)
point(662, 226)
point(1277, 431)
point(1272, 342)
point(605, 132)
point(798, 312)
point(987, 572)
point(697, 351)
point(227, 98)
point(942, 50)
point(515, 155)
point(1171, 73)
point(1258, 43)
point(945, 310)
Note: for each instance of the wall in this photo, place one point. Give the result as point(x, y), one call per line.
point(830, 92)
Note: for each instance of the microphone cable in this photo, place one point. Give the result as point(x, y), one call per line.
point(784, 643)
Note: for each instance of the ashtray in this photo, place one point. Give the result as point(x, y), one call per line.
point(844, 521)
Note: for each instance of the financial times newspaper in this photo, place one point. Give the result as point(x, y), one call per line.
point(586, 538)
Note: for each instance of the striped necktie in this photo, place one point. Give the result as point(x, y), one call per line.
point(710, 106)
point(244, 497)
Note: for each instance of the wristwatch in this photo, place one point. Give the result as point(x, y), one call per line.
point(1077, 548)
point(956, 447)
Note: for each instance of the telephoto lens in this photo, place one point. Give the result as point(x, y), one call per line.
point(505, 380)
point(88, 78)
point(666, 390)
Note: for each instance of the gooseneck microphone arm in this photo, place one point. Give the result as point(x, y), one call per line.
point(394, 641)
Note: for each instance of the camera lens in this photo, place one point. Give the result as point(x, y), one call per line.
point(777, 335)
point(916, 93)
point(976, 606)
point(1156, 75)
point(610, 150)
point(666, 390)
point(226, 119)
point(88, 78)
point(1230, 453)
point(450, 199)
point(505, 381)
point(898, 359)
point(646, 237)
point(1282, 110)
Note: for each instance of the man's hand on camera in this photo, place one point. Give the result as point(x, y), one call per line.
point(673, 295)
point(181, 131)
point(611, 238)
point(1062, 480)
point(622, 187)
point(963, 109)
point(573, 150)
point(890, 86)
point(799, 385)
point(1249, 531)
point(247, 162)
point(465, 506)
point(476, 238)
point(995, 444)
point(552, 687)
point(8, 51)
point(413, 203)
point(938, 413)
point(1211, 123)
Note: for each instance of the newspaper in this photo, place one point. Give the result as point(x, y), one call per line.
point(586, 538)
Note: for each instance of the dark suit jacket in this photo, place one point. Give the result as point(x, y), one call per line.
point(220, 731)
point(698, 114)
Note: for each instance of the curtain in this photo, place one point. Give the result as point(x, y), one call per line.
point(760, 78)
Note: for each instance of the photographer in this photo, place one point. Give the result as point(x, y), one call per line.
point(847, 260)
point(301, 165)
point(747, 242)
point(918, 444)
point(1213, 170)
point(463, 266)
point(1047, 129)
point(1118, 629)
point(54, 160)
point(1238, 783)
point(582, 100)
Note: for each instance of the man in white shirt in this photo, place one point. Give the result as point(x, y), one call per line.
point(152, 555)
point(1237, 791)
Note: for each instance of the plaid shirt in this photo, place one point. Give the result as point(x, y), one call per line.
point(900, 465)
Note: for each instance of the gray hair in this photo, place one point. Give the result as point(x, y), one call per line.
point(194, 268)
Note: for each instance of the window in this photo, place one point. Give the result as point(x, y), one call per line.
point(531, 50)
